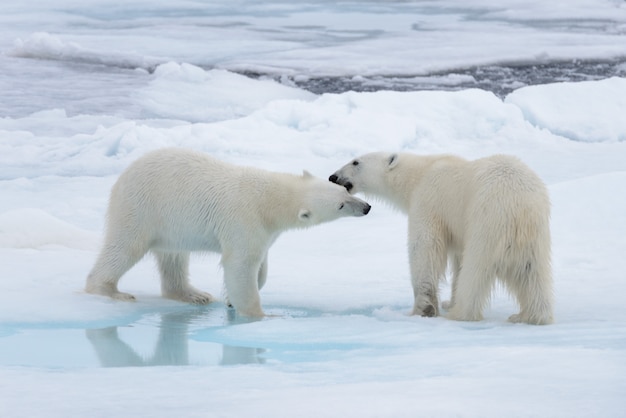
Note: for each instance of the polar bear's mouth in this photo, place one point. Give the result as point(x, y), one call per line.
point(347, 184)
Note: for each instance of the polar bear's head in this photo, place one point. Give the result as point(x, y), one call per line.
point(323, 201)
point(365, 174)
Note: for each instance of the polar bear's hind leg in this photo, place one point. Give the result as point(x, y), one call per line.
point(114, 260)
point(174, 269)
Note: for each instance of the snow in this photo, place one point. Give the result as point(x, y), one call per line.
point(90, 88)
point(218, 94)
point(565, 109)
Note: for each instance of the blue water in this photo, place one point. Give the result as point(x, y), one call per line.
point(179, 337)
point(149, 339)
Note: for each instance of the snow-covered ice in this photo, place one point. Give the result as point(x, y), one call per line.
point(89, 87)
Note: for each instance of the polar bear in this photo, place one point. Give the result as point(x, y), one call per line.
point(174, 201)
point(490, 216)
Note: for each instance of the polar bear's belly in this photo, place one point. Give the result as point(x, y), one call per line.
point(199, 240)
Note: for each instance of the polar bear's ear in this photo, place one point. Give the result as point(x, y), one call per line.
point(304, 215)
point(392, 161)
point(306, 174)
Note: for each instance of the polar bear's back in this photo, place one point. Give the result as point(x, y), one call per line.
point(172, 194)
point(169, 179)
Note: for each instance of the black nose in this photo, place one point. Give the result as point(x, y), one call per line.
point(367, 209)
point(333, 178)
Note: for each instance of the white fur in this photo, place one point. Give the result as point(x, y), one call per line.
point(174, 201)
point(490, 217)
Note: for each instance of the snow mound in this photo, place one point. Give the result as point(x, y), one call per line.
point(216, 94)
point(34, 228)
point(590, 111)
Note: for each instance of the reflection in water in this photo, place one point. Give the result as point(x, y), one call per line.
point(171, 348)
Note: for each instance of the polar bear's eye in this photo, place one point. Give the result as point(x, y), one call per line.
point(355, 162)
point(341, 206)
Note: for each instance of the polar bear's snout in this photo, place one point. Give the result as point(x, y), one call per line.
point(363, 208)
point(342, 182)
point(355, 207)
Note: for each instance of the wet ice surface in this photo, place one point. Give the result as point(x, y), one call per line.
point(186, 336)
point(215, 336)
point(165, 338)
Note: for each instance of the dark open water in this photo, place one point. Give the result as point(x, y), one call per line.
point(498, 79)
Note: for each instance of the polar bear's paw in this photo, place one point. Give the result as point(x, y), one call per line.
point(428, 310)
point(109, 290)
point(537, 320)
point(200, 298)
point(457, 314)
point(126, 297)
point(426, 304)
point(191, 295)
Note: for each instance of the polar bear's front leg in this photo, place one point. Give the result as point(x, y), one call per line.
point(427, 257)
point(261, 280)
point(241, 277)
